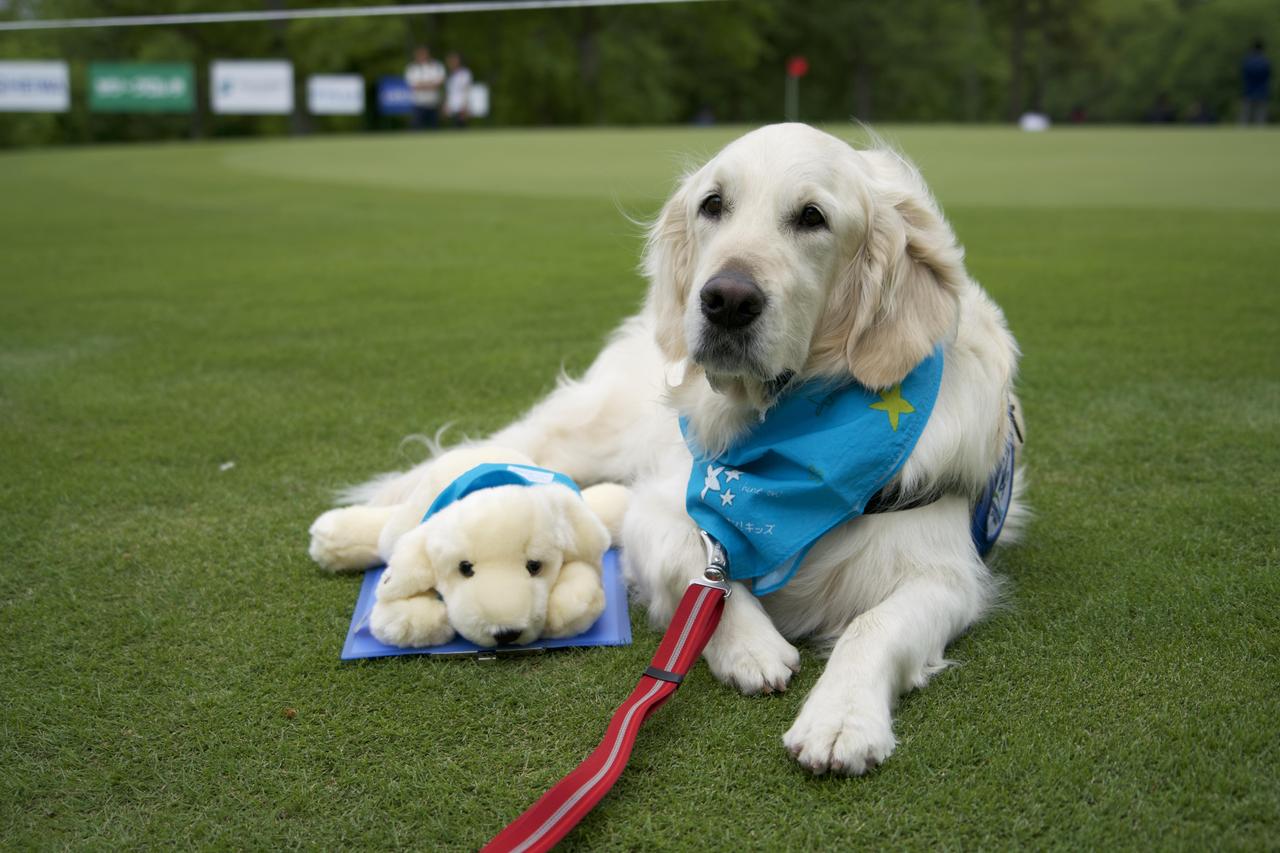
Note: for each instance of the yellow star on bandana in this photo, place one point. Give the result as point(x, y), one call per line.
point(892, 404)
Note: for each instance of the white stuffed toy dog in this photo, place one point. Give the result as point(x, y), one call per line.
point(508, 552)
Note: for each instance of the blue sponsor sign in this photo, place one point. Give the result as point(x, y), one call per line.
point(394, 96)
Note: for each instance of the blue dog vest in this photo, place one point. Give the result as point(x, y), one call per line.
point(489, 475)
point(811, 464)
point(993, 506)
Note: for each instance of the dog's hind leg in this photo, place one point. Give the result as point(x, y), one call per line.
point(607, 426)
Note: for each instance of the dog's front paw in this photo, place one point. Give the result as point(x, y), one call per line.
point(346, 539)
point(575, 603)
point(411, 622)
point(828, 736)
point(757, 662)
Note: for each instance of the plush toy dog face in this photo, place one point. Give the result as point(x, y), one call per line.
point(497, 553)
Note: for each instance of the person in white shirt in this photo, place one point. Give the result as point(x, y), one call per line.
point(457, 90)
point(425, 77)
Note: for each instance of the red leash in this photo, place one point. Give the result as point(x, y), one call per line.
point(560, 809)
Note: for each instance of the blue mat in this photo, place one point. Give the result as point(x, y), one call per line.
point(613, 628)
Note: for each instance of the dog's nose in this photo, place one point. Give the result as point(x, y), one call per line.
point(505, 637)
point(731, 300)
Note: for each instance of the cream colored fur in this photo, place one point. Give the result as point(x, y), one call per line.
point(866, 297)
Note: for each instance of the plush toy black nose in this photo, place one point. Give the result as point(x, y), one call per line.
point(731, 300)
point(505, 637)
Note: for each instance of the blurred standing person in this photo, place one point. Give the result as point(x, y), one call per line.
point(1255, 74)
point(457, 90)
point(425, 76)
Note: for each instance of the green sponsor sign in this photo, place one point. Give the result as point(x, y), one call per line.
point(141, 87)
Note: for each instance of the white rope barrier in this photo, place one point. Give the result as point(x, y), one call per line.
point(344, 12)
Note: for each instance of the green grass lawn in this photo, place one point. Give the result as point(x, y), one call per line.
point(298, 307)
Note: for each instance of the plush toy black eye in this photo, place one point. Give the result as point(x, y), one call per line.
point(811, 217)
point(534, 566)
point(466, 569)
point(712, 206)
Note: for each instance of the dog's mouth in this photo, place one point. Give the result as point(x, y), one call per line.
point(736, 372)
point(732, 359)
point(731, 353)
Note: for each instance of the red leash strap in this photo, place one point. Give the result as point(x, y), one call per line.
point(560, 809)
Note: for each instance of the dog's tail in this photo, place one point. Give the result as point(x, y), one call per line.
point(395, 487)
point(382, 490)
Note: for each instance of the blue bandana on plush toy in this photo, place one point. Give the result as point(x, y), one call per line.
point(491, 475)
point(815, 460)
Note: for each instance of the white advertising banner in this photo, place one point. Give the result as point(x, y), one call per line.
point(335, 94)
point(34, 87)
point(250, 87)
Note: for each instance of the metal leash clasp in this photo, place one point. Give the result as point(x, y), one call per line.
point(716, 574)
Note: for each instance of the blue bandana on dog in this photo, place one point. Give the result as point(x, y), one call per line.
point(489, 475)
point(815, 460)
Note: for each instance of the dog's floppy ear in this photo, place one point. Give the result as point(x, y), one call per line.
point(409, 571)
point(580, 534)
point(668, 265)
point(900, 296)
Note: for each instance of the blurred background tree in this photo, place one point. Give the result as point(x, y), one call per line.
point(910, 60)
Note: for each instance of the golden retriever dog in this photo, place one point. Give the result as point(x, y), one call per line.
point(790, 256)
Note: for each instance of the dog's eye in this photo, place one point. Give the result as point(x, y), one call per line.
point(712, 206)
point(466, 569)
point(534, 566)
point(811, 218)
